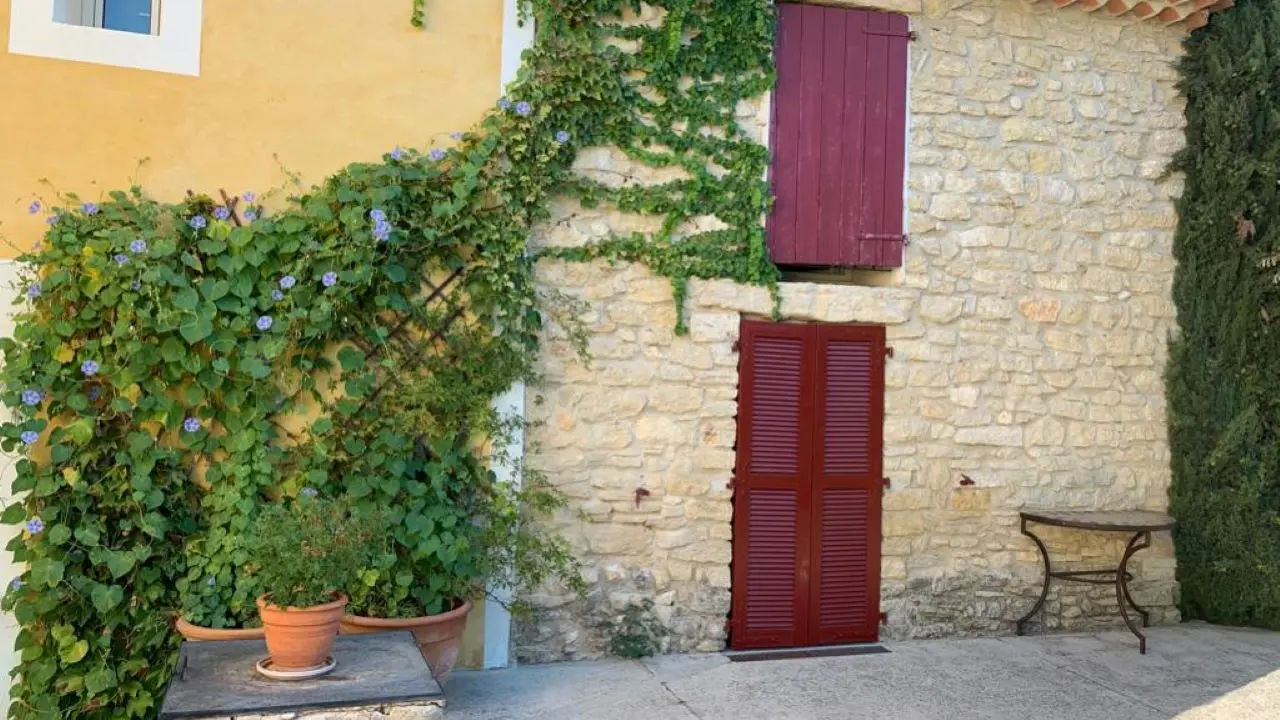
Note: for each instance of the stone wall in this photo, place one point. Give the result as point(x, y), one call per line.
point(1029, 327)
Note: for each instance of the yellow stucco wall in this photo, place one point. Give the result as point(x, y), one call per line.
point(318, 83)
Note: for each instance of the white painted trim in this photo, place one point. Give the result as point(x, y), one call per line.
point(175, 49)
point(497, 619)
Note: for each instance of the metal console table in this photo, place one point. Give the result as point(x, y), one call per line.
point(1140, 523)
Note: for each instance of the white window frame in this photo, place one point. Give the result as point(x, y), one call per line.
point(173, 46)
point(92, 13)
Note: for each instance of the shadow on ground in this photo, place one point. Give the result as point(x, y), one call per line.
point(1191, 672)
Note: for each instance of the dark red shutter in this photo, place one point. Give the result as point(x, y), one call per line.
point(847, 485)
point(838, 137)
point(771, 487)
point(806, 563)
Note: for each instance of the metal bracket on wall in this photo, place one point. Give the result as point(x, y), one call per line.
point(888, 351)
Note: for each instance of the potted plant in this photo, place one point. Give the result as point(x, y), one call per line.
point(306, 555)
point(461, 535)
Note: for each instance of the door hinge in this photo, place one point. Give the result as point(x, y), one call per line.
point(888, 351)
point(912, 35)
point(728, 485)
point(884, 618)
point(888, 483)
point(737, 346)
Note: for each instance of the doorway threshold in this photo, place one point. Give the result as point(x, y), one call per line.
point(805, 652)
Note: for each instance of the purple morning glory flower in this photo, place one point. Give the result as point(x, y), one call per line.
point(121, 259)
point(330, 279)
point(211, 581)
point(377, 215)
point(33, 291)
point(32, 397)
point(221, 213)
point(90, 208)
point(16, 584)
point(277, 295)
point(191, 424)
point(250, 215)
point(310, 492)
point(35, 526)
point(381, 231)
point(95, 392)
point(455, 135)
point(89, 368)
point(34, 207)
point(52, 219)
point(138, 246)
point(288, 281)
point(136, 285)
point(264, 322)
point(397, 153)
point(198, 222)
point(436, 155)
point(249, 196)
point(504, 103)
point(562, 137)
point(30, 437)
point(524, 109)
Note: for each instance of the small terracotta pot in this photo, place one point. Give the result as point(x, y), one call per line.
point(300, 638)
point(439, 636)
point(197, 633)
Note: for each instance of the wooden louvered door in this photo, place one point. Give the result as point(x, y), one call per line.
point(807, 499)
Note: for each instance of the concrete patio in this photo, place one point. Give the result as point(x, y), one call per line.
point(1191, 672)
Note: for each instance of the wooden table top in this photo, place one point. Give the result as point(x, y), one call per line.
point(1117, 520)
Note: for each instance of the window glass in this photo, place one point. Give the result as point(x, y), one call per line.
point(127, 15)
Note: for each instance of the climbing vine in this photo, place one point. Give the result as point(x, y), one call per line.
point(180, 365)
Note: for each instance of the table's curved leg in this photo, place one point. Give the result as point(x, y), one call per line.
point(1044, 591)
point(1123, 598)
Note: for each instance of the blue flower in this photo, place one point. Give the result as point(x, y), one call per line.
point(381, 231)
point(264, 322)
point(211, 581)
point(377, 215)
point(16, 584)
point(30, 437)
point(330, 279)
point(34, 207)
point(95, 392)
point(35, 526)
point(53, 219)
point(121, 259)
point(288, 281)
point(221, 213)
point(198, 222)
point(524, 109)
point(191, 424)
point(138, 246)
point(397, 153)
point(249, 196)
point(562, 137)
point(32, 397)
point(455, 135)
point(504, 103)
point(136, 286)
point(89, 368)
point(250, 215)
point(277, 295)
point(436, 155)
point(33, 291)
point(310, 492)
point(90, 208)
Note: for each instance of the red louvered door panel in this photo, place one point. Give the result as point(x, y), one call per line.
point(807, 489)
point(838, 137)
point(772, 501)
point(845, 583)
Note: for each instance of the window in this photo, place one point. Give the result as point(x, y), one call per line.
point(135, 16)
point(838, 138)
point(158, 35)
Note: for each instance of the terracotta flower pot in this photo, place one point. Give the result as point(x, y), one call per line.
point(300, 638)
point(197, 633)
point(439, 636)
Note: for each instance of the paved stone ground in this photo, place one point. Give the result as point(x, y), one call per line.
point(1191, 672)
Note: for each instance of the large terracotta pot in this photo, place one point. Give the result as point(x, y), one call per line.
point(439, 636)
point(300, 638)
point(197, 633)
